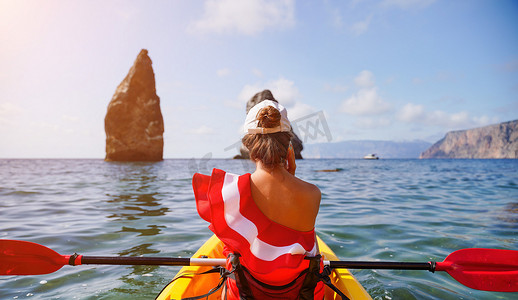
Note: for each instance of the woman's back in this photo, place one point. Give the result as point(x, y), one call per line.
point(285, 199)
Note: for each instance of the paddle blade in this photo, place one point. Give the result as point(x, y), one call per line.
point(483, 269)
point(26, 258)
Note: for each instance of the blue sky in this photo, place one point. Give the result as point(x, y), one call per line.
point(378, 70)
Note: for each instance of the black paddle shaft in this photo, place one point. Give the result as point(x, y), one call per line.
point(150, 261)
point(172, 261)
point(429, 266)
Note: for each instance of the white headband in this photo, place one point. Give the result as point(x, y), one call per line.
point(251, 119)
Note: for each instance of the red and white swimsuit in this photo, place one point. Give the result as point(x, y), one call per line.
point(273, 253)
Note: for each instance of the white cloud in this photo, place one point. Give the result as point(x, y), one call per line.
point(68, 118)
point(248, 91)
point(335, 88)
point(248, 17)
point(336, 16)
point(414, 113)
point(365, 79)
point(299, 110)
point(8, 111)
point(361, 27)
point(45, 126)
point(365, 102)
point(7, 108)
point(411, 113)
point(223, 72)
point(407, 4)
point(257, 72)
point(202, 130)
point(126, 12)
point(234, 104)
point(283, 90)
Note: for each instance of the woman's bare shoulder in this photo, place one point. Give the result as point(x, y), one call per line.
point(309, 190)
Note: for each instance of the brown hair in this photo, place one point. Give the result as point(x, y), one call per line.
point(271, 149)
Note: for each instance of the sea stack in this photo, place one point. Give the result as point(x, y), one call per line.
point(134, 125)
point(259, 97)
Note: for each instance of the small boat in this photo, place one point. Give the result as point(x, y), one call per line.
point(187, 284)
point(371, 156)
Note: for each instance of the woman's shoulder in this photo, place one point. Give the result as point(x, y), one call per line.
point(307, 189)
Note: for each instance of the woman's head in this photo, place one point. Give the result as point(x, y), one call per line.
point(268, 133)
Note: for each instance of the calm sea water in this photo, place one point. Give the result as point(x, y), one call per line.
point(399, 210)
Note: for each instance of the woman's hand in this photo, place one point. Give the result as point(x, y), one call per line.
point(290, 160)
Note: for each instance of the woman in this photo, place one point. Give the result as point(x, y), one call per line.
point(266, 220)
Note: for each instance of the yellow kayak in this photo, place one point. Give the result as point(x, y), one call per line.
point(189, 285)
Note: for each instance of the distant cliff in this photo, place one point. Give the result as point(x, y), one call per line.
point(494, 141)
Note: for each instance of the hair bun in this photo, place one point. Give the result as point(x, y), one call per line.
point(268, 117)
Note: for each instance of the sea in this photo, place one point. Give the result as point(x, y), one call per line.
point(402, 210)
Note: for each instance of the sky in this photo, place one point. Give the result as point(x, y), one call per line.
point(397, 70)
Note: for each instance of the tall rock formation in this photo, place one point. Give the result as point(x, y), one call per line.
point(259, 97)
point(134, 125)
point(494, 141)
